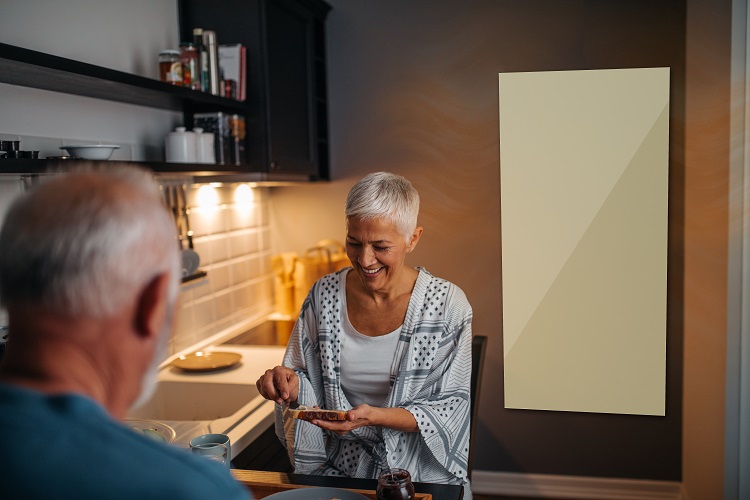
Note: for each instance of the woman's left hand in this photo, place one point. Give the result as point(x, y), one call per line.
point(358, 416)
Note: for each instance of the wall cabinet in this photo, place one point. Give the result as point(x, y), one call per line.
point(285, 109)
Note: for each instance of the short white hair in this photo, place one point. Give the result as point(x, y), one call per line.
point(382, 195)
point(84, 242)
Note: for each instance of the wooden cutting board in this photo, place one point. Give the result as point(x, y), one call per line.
point(262, 489)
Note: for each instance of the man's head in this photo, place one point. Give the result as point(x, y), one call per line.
point(82, 242)
point(86, 244)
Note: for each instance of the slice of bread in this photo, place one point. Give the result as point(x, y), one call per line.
point(303, 412)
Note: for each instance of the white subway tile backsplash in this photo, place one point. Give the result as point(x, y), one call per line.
point(183, 323)
point(219, 277)
point(240, 271)
point(205, 221)
point(233, 244)
point(243, 296)
point(223, 305)
point(253, 241)
point(203, 248)
point(203, 312)
point(242, 216)
point(219, 248)
point(239, 244)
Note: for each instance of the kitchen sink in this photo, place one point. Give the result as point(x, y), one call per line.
point(178, 400)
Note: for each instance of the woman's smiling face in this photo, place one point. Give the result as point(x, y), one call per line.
point(377, 250)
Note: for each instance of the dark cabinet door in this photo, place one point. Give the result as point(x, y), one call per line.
point(291, 137)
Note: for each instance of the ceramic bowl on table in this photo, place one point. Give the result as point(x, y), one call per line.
point(157, 431)
point(91, 151)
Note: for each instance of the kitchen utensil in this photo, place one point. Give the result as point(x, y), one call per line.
point(282, 266)
point(190, 258)
point(172, 202)
point(203, 361)
point(185, 212)
point(91, 151)
point(190, 261)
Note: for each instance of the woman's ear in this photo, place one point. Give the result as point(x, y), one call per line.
point(153, 306)
point(414, 239)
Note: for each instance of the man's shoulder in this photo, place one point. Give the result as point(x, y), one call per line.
point(82, 447)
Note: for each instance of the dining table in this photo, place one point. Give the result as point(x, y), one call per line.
point(264, 483)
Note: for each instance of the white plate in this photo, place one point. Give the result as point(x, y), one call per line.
point(314, 493)
point(204, 361)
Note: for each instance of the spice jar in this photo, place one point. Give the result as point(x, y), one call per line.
point(170, 67)
point(395, 484)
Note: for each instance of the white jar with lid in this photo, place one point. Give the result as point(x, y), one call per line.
point(181, 146)
point(204, 142)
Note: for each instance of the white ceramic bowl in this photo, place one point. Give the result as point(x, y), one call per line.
point(157, 431)
point(91, 151)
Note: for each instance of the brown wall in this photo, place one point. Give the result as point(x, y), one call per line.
point(707, 155)
point(413, 89)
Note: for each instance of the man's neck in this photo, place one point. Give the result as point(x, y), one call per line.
point(55, 355)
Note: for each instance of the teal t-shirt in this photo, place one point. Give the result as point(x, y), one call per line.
point(67, 446)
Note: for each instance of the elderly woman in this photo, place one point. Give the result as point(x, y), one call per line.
point(389, 343)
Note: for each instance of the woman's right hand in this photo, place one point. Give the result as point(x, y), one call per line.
point(279, 384)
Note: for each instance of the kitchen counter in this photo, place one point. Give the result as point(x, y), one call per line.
point(224, 401)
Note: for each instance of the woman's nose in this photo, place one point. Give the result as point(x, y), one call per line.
point(366, 256)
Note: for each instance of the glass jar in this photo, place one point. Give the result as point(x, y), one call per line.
point(170, 67)
point(191, 73)
point(395, 484)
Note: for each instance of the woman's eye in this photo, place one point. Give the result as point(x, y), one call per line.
point(380, 249)
point(353, 244)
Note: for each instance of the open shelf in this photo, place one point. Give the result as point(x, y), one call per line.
point(30, 68)
point(200, 172)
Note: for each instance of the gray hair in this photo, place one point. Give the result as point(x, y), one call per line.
point(84, 242)
point(387, 196)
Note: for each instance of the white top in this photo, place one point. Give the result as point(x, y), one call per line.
point(366, 364)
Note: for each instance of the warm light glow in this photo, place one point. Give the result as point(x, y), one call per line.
point(208, 197)
point(243, 195)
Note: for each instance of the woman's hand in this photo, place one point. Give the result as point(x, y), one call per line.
point(359, 416)
point(279, 384)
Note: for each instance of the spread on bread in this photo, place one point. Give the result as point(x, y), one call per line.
point(303, 412)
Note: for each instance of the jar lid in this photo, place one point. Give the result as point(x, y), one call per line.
point(170, 52)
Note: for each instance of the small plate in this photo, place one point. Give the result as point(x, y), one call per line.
point(202, 361)
point(152, 429)
point(314, 493)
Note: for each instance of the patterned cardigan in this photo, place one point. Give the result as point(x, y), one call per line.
point(430, 377)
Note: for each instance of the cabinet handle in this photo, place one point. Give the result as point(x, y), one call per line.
point(274, 165)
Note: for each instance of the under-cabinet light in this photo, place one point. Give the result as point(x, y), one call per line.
point(207, 196)
point(244, 195)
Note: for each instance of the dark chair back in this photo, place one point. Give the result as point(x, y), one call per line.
point(478, 350)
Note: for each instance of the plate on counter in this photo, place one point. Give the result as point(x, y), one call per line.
point(203, 361)
point(315, 493)
point(157, 431)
